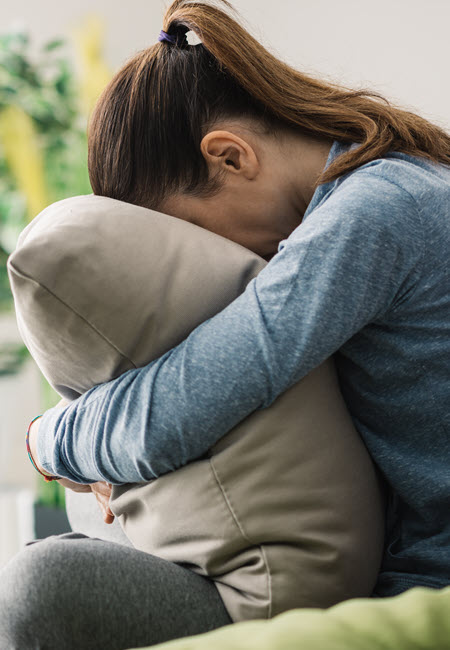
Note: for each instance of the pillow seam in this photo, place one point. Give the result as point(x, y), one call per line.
point(83, 318)
point(244, 535)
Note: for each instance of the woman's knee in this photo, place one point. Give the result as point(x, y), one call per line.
point(34, 594)
point(89, 593)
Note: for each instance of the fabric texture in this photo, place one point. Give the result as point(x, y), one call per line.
point(418, 619)
point(365, 276)
point(73, 592)
point(284, 511)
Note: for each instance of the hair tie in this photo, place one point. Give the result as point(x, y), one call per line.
point(164, 36)
point(179, 38)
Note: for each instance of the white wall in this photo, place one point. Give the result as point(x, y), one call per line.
point(397, 47)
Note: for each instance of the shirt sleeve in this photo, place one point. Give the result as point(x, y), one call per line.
point(349, 261)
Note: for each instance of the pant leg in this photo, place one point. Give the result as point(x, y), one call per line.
point(72, 591)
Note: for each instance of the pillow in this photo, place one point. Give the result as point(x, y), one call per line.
point(285, 510)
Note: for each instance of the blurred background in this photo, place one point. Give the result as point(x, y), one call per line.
point(56, 57)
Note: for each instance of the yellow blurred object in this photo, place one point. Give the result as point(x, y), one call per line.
point(23, 155)
point(95, 73)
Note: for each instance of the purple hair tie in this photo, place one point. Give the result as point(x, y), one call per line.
point(164, 36)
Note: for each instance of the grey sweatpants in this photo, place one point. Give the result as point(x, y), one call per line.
point(73, 591)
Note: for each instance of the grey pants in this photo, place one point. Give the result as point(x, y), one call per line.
point(73, 591)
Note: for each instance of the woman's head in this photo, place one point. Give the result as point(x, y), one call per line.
point(156, 136)
point(147, 127)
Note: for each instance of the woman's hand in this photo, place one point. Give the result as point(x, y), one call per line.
point(101, 489)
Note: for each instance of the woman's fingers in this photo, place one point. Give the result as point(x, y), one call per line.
point(102, 491)
point(107, 518)
point(76, 487)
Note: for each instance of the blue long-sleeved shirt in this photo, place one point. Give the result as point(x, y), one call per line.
point(365, 276)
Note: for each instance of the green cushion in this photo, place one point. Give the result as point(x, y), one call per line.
point(417, 619)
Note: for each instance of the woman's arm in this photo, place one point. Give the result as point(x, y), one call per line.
point(344, 266)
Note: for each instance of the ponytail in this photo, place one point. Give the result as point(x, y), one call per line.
point(145, 133)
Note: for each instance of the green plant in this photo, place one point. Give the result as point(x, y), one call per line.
point(44, 89)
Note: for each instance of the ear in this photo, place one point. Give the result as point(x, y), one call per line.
point(227, 152)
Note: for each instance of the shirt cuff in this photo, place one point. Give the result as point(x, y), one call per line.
point(48, 446)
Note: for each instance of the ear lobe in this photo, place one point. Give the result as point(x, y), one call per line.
point(227, 152)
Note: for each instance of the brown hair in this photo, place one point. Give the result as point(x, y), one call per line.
point(146, 129)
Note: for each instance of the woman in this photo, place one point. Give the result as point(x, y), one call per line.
point(349, 199)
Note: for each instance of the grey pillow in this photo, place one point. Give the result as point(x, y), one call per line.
point(285, 510)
